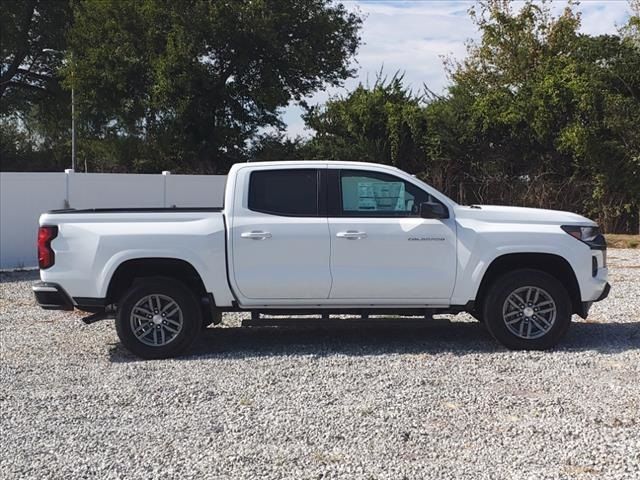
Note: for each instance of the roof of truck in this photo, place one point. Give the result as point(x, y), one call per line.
point(316, 162)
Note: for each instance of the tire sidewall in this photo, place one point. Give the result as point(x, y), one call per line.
point(510, 282)
point(186, 300)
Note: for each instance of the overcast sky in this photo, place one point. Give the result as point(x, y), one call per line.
point(412, 36)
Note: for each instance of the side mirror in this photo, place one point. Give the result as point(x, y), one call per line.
point(433, 210)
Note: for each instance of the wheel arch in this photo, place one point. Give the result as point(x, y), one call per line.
point(552, 264)
point(130, 270)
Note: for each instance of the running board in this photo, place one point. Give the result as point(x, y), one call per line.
point(96, 317)
point(338, 322)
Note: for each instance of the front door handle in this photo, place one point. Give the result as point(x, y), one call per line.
point(256, 235)
point(351, 235)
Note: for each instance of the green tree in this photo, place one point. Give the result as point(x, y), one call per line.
point(537, 114)
point(192, 82)
point(540, 99)
point(277, 146)
point(376, 124)
point(34, 107)
point(28, 29)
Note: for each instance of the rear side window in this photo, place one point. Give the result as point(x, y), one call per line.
point(284, 192)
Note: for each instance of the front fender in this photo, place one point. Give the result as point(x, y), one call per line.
point(478, 249)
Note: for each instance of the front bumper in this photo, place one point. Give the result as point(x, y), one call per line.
point(587, 305)
point(52, 296)
point(605, 292)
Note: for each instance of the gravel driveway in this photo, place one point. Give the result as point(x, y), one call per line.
point(372, 401)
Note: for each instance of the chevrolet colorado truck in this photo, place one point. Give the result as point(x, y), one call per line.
point(321, 237)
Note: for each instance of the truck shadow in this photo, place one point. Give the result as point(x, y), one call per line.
point(381, 338)
point(15, 276)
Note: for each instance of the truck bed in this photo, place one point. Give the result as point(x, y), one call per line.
point(93, 243)
point(137, 210)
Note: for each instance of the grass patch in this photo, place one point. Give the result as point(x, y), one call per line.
point(623, 241)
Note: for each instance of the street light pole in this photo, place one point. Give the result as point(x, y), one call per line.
point(73, 119)
point(73, 106)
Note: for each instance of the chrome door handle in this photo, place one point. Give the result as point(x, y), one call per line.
point(351, 235)
point(256, 235)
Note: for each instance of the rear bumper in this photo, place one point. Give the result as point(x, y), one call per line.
point(52, 296)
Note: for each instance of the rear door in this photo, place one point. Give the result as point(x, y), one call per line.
point(382, 251)
point(280, 237)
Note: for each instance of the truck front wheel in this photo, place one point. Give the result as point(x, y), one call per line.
point(527, 310)
point(158, 318)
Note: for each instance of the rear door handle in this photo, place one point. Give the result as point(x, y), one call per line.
point(256, 235)
point(351, 235)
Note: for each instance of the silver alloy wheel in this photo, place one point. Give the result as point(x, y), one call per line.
point(529, 312)
point(156, 320)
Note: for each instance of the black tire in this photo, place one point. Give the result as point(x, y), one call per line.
point(190, 318)
point(511, 283)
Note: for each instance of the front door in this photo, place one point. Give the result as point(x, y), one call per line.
point(280, 243)
point(382, 251)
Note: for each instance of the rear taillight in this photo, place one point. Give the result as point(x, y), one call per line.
point(46, 257)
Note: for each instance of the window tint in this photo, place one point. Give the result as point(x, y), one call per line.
point(284, 192)
point(379, 195)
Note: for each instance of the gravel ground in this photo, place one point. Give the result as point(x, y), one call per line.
point(368, 402)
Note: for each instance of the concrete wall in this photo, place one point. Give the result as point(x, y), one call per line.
point(24, 196)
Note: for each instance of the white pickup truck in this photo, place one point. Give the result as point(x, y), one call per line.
point(321, 237)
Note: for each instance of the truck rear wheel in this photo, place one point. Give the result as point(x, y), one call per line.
point(527, 310)
point(158, 318)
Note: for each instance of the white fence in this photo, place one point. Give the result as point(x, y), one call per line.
point(24, 196)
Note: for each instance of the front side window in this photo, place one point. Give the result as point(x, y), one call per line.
point(284, 192)
point(379, 194)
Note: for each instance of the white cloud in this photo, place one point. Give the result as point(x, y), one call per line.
point(604, 17)
point(413, 36)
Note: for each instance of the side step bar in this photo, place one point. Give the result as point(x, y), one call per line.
point(96, 317)
point(326, 320)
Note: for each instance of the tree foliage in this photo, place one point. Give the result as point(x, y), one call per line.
point(28, 29)
point(546, 99)
point(377, 124)
point(34, 106)
point(537, 113)
point(197, 79)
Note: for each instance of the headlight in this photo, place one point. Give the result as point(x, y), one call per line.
point(589, 235)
